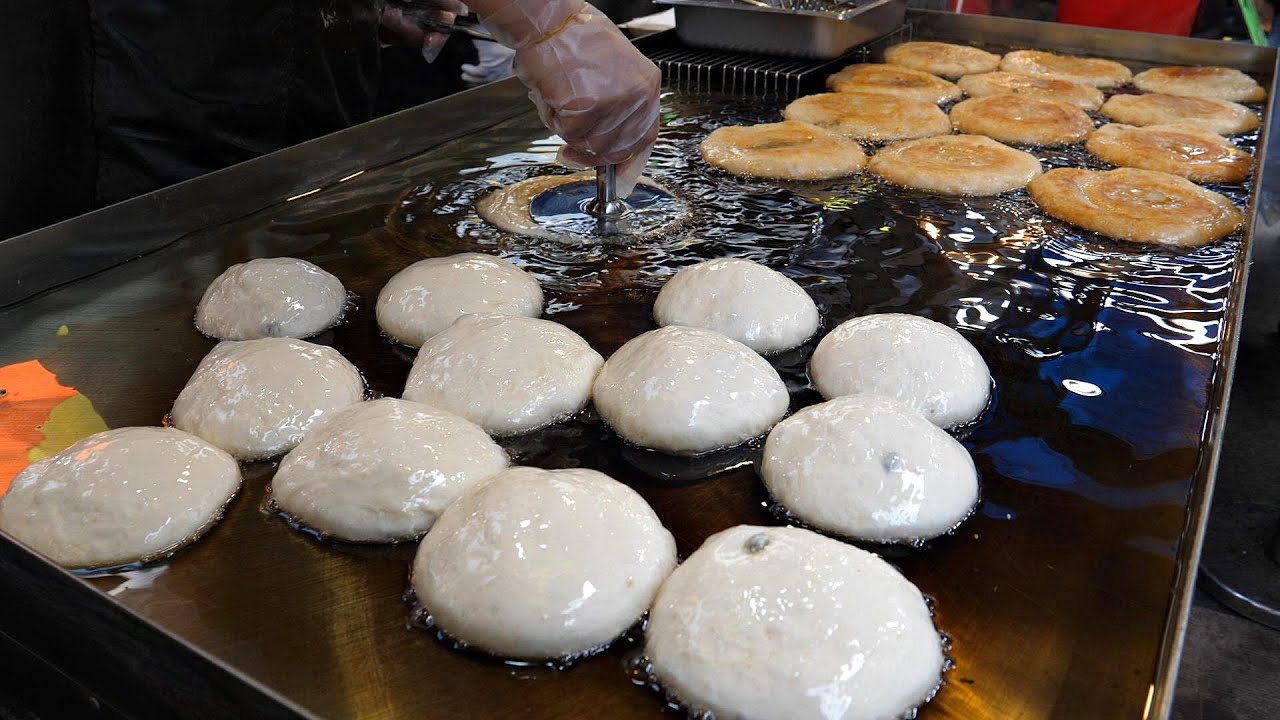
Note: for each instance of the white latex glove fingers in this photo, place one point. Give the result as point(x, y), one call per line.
point(594, 89)
point(493, 63)
point(628, 171)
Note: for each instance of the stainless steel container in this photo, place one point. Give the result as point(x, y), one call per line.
point(761, 28)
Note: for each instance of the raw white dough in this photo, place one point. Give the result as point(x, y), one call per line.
point(926, 365)
point(536, 564)
point(120, 496)
point(760, 308)
point(256, 399)
point(869, 468)
point(507, 374)
point(782, 623)
point(271, 297)
point(383, 471)
point(688, 391)
point(426, 297)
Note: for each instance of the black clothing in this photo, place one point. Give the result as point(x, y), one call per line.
point(119, 97)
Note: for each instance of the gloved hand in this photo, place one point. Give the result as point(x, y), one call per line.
point(398, 24)
point(590, 84)
point(494, 64)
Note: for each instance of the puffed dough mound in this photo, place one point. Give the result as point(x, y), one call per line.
point(1220, 116)
point(1022, 120)
point(955, 165)
point(869, 468)
point(1142, 206)
point(270, 297)
point(923, 364)
point(1085, 97)
point(942, 59)
point(1086, 71)
point(257, 399)
point(688, 391)
point(507, 374)
point(1218, 83)
point(120, 496)
point(535, 564)
point(760, 308)
point(894, 80)
point(1189, 151)
point(383, 471)
point(426, 297)
point(871, 117)
point(811, 627)
point(787, 150)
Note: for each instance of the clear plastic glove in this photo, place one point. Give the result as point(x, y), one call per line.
point(399, 26)
point(493, 64)
point(590, 84)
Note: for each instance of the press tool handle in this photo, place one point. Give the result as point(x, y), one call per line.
point(607, 208)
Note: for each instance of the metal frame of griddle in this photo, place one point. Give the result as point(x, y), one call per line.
point(138, 669)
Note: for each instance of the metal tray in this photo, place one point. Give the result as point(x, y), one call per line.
point(1065, 596)
point(779, 31)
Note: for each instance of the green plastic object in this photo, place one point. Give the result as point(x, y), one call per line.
point(1251, 21)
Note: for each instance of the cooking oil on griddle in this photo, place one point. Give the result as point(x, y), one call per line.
point(1103, 356)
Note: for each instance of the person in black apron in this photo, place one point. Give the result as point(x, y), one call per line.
point(109, 99)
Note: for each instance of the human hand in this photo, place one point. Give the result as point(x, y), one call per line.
point(590, 84)
point(401, 26)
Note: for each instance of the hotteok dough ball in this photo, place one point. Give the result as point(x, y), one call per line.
point(120, 496)
point(760, 308)
point(271, 297)
point(507, 374)
point(256, 399)
point(781, 623)
point(426, 297)
point(870, 468)
point(384, 470)
point(926, 365)
point(688, 391)
point(536, 564)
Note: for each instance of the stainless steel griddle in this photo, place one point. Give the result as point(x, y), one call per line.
point(1066, 595)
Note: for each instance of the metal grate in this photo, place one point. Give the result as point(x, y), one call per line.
point(688, 70)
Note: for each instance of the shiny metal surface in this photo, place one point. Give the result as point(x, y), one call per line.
point(1074, 610)
point(794, 33)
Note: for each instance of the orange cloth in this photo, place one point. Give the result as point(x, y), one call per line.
point(38, 417)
